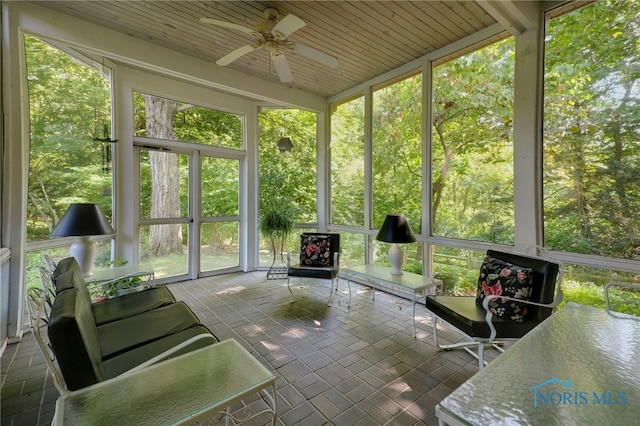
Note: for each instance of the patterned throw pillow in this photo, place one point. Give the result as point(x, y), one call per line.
point(315, 250)
point(505, 279)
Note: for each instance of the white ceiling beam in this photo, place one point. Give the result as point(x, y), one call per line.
point(120, 47)
point(515, 16)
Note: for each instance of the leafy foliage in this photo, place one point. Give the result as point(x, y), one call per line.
point(347, 163)
point(472, 151)
point(70, 108)
point(288, 179)
point(276, 224)
point(592, 131)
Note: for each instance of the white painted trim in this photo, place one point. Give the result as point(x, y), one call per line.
point(122, 48)
point(527, 140)
point(417, 63)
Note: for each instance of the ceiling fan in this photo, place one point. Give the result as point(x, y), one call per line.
point(273, 36)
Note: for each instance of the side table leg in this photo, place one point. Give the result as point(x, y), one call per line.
point(275, 405)
point(415, 336)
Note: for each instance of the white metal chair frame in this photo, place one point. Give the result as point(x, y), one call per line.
point(334, 281)
point(482, 342)
point(607, 297)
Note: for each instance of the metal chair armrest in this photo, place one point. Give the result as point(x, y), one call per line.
point(607, 297)
point(489, 314)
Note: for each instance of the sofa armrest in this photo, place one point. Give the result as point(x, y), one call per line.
point(169, 352)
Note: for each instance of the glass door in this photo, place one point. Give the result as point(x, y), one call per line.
point(175, 241)
point(164, 225)
point(219, 223)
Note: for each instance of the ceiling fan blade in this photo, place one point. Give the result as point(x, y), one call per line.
point(316, 55)
point(230, 57)
point(287, 25)
point(226, 24)
point(282, 67)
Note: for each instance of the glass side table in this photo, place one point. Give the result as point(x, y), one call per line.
point(183, 390)
point(120, 280)
point(380, 277)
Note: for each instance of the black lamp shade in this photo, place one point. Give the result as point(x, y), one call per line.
point(395, 229)
point(82, 219)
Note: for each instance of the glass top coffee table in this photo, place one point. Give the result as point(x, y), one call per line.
point(182, 390)
point(380, 277)
point(578, 367)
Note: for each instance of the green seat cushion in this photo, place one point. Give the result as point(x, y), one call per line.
point(125, 334)
point(131, 304)
point(136, 356)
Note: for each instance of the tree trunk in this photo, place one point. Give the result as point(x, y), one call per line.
point(165, 180)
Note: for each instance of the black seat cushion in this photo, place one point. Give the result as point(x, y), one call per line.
point(312, 272)
point(125, 334)
point(462, 312)
point(135, 356)
point(321, 272)
point(68, 275)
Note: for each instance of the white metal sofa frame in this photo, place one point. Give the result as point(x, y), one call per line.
point(39, 309)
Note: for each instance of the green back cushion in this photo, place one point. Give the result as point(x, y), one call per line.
point(74, 340)
point(62, 276)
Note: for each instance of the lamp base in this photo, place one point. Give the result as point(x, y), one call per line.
point(84, 253)
point(395, 258)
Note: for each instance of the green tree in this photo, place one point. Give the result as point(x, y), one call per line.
point(472, 132)
point(288, 179)
point(69, 130)
point(347, 163)
point(592, 137)
point(397, 151)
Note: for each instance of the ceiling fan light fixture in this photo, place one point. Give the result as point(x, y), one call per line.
point(272, 46)
point(272, 35)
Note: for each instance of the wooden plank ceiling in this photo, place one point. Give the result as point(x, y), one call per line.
point(368, 38)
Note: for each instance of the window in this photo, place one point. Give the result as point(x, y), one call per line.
point(591, 131)
point(70, 136)
point(472, 131)
point(189, 123)
point(397, 151)
point(288, 180)
point(347, 163)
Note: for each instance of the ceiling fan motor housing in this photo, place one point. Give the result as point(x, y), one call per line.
point(265, 27)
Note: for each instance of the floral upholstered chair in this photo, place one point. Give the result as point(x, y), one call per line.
point(319, 258)
point(515, 293)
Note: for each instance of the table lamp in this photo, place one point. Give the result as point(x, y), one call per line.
point(82, 219)
point(395, 229)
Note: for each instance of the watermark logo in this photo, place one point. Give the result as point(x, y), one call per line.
point(557, 392)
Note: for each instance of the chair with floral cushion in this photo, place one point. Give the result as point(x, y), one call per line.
point(515, 293)
point(319, 259)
